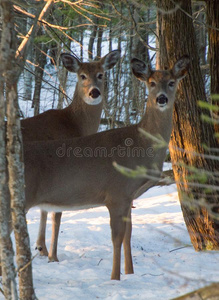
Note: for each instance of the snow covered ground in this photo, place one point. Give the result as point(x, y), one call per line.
point(165, 263)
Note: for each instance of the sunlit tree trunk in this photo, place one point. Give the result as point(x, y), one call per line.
point(195, 173)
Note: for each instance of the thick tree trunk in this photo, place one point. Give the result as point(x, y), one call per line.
point(194, 171)
point(213, 36)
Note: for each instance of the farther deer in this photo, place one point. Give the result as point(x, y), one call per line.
point(79, 173)
point(80, 118)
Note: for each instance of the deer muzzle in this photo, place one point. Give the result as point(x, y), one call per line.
point(94, 93)
point(162, 100)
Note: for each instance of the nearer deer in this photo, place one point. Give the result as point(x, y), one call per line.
point(80, 173)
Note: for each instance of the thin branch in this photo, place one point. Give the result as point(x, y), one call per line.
point(24, 3)
point(132, 20)
point(22, 49)
point(72, 4)
point(32, 16)
point(21, 269)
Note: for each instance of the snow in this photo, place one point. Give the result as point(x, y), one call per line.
point(165, 263)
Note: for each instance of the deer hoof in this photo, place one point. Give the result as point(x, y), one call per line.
point(53, 259)
point(42, 252)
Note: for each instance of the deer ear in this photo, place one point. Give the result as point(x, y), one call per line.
point(70, 62)
point(140, 69)
point(109, 60)
point(180, 68)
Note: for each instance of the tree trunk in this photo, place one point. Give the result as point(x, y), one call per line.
point(194, 172)
point(92, 39)
point(14, 157)
point(28, 77)
point(39, 71)
point(63, 75)
point(16, 187)
point(99, 41)
point(81, 41)
point(201, 35)
point(7, 253)
point(213, 36)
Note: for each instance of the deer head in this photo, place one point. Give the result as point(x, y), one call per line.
point(162, 85)
point(90, 75)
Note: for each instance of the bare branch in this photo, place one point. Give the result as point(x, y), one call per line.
point(21, 53)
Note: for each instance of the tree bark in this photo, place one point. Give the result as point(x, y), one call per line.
point(39, 71)
point(7, 253)
point(99, 41)
point(15, 158)
point(213, 36)
point(92, 39)
point(63, 76)
point(194, 171)
point(28, 76)
point(16, 187)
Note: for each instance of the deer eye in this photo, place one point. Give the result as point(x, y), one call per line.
point(100, 76)
point(152, 84)
point(83, 77)
point(171, 83)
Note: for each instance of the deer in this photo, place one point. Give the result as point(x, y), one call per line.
point(80, 118)
point(82, 172)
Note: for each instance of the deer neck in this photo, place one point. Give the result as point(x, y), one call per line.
point(85, 116)
point(157, 122)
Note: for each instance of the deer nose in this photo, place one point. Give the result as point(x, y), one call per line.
point(162, 100)
point(94, 93)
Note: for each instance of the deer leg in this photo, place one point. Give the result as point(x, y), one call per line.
point(118, 227)
point(56, 220)
point(127, 245)
point(41, 239)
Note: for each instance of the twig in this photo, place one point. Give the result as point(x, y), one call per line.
point(179, 248)
point(1, 290)
point(19, 270)
point(152, 274)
